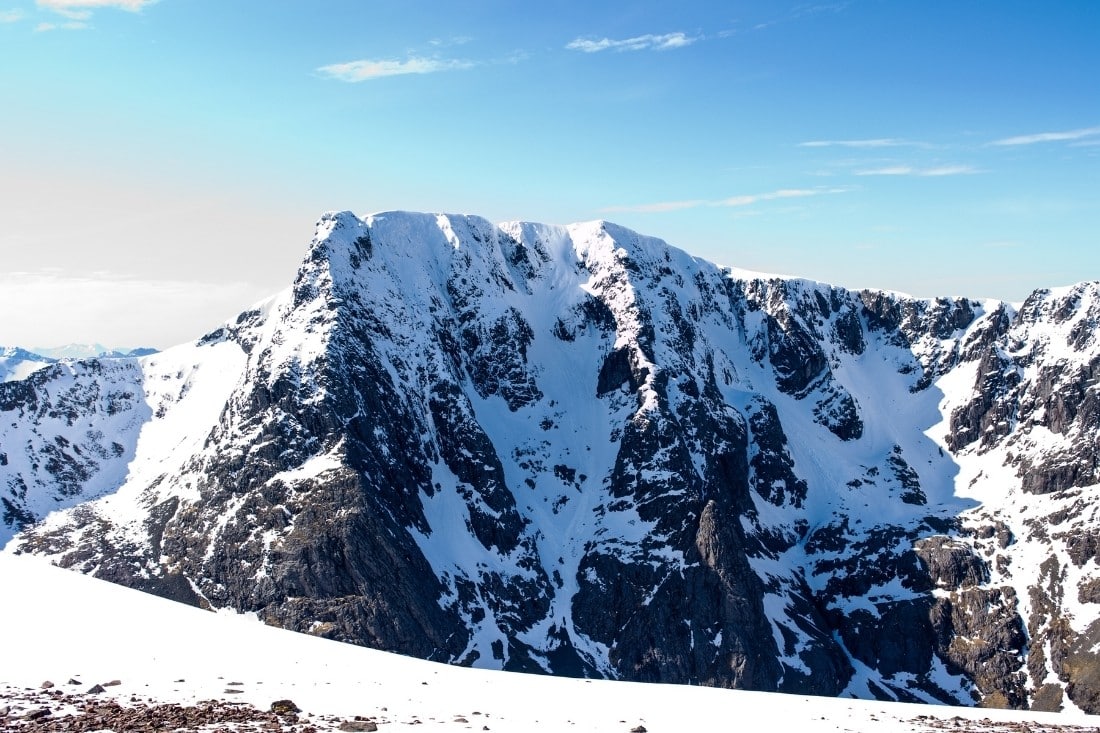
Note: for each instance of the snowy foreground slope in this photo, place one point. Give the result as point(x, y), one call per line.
point(576, 450)
point(69, 627)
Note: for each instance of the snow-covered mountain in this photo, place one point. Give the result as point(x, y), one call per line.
point(88, 351)
point(580, 451)
point(17, 363)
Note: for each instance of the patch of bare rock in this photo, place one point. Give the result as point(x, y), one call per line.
point(959, 724)
point(48, 709)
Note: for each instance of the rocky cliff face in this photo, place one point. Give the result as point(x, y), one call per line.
point(577, 450)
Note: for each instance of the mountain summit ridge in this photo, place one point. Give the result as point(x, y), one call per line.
point(579, 450)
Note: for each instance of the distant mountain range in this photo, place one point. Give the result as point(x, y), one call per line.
point(577, 450)
point(18, 363)
point(88, 351)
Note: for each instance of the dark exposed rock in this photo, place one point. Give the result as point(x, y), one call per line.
point(773, 476)
point(361, 725)
point(990, 414)
point(1089, 591)
point(50, 712)
point(837, 410)
point(898, 640)
point(907, 478)
point(1081, 546)
point(980, 632)
point(1081, 670)
point(618, 370)
point(1047, 698)
point(951, 564)
point(795, 354)
point(284, 707)
point(848, 331)
point(497, 356)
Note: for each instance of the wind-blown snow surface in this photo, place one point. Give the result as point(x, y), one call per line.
point(58, 625)
point(575, 449)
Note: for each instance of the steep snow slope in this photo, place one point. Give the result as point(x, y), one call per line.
point(578, 450)
point(164, 652)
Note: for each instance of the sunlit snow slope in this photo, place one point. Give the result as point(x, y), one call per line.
point(158, 651)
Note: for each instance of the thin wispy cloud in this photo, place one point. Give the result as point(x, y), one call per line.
point(803, 11)
point(948, 170)
point(657, 208)
point(783, 193)
point(82, 9)
point(453, 41)
point(11, 16)
point(71, 25)
point(516, 57)
point(731, 202)
point(649, 42)
point(907, 170)
point(367, 69)
point(1047, 137)
point(878, 142)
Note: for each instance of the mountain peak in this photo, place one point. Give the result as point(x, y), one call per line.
point(334, 233)
point(432, 235)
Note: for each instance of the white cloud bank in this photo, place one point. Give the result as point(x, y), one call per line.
point(48, 308)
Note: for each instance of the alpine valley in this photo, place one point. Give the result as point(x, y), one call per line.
point(579, 451)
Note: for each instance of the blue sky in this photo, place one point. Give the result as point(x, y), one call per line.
point(163, 162)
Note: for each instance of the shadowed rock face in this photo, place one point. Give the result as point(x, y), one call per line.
point(576, 450)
